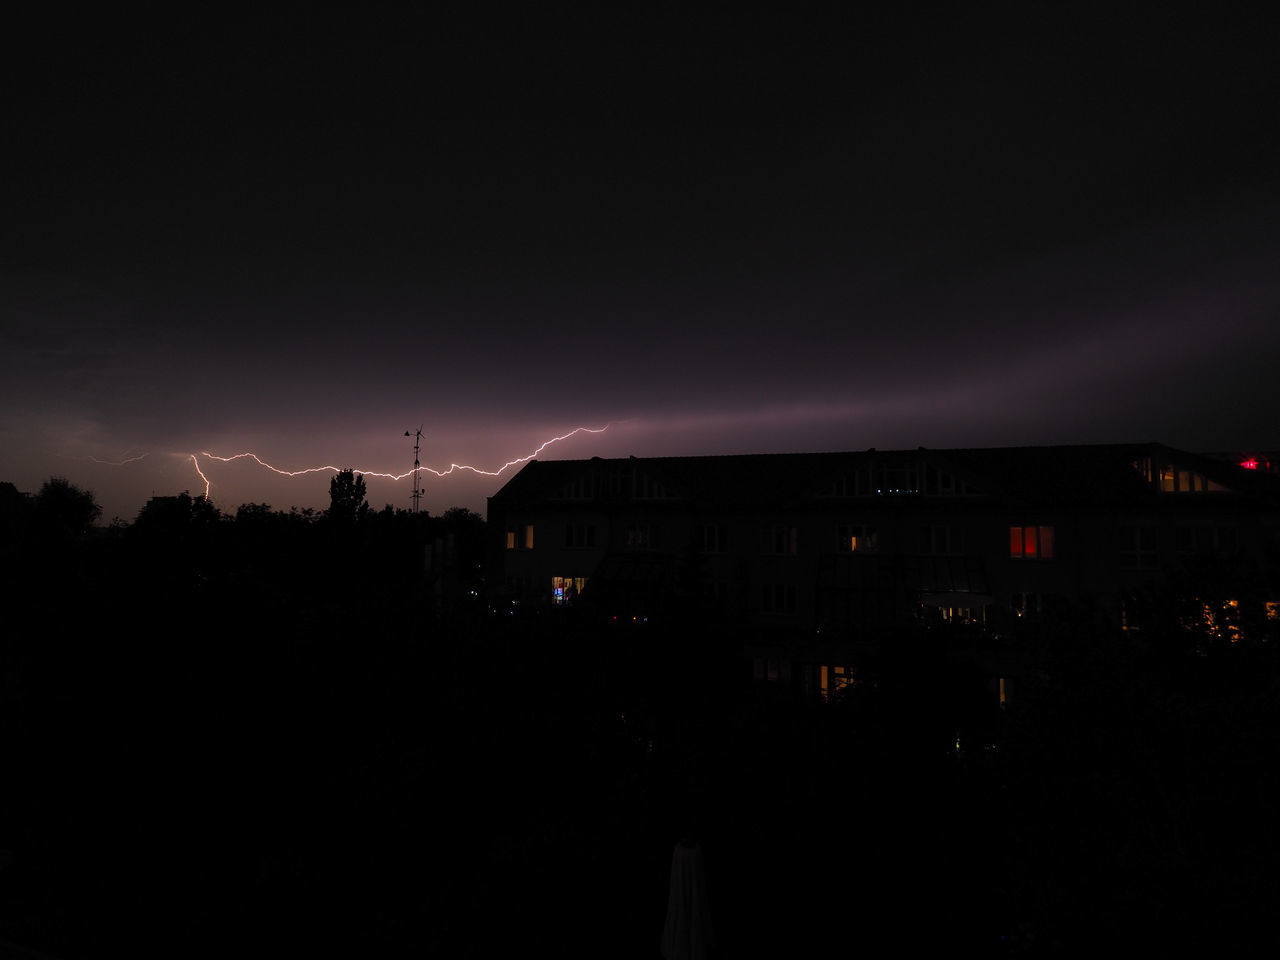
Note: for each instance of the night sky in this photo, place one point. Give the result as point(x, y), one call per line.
point(301, 233)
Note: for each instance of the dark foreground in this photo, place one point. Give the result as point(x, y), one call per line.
point(202, 764)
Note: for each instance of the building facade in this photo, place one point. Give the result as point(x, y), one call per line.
point(841, 549)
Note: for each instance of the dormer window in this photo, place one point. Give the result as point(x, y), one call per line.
point(580, 488)
point(939, 483)
point(648, 489)
point(896, 479)
point(1171, 478)
point(1176, 480)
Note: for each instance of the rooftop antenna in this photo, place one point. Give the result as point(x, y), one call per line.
point(417, 467)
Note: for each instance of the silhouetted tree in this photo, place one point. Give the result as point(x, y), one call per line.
point(346, 497)
point(63, 507)
point(176, 515)
point(304, 515)
point(468, 531)
point(461, 516)
point(255, 513)
point(15, 512)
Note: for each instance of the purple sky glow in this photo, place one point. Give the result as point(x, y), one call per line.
point(300, 236)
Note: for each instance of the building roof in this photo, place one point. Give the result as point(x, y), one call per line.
point(1045, 474)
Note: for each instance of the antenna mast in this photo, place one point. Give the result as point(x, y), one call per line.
point(417, 467)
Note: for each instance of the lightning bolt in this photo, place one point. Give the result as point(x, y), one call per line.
point(202, 476)
point(118, 463)
point(453, 467)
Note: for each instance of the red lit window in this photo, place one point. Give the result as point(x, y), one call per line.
point(1031, 543)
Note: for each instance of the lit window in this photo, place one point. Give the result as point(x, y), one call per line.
point(855, 538)
point(528, 537)
point(832, 678)
point(564, 590)
point(1031, 543)
point(511, 539)
point(1175, 480)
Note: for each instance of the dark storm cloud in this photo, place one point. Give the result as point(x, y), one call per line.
point(302, 232)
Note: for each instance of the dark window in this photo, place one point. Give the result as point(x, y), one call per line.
point(1138, 547)
point(778, 597)
point(714, 538)
point(780, 541)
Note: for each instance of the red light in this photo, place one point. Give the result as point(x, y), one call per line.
point(1250, 464)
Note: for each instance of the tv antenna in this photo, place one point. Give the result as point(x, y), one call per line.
point(417, 467)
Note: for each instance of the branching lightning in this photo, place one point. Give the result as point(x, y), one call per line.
point(453, 467)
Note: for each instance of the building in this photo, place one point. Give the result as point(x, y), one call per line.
point(837, 550)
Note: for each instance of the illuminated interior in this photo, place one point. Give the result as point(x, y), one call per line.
point(1031, 543)
point(856, 538)
point(1176, 480)
point(834, 678)
point(1173, 479)
point(565, 590)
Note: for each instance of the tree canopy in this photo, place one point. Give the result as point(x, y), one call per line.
point(347, 497)
point(64, 507)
